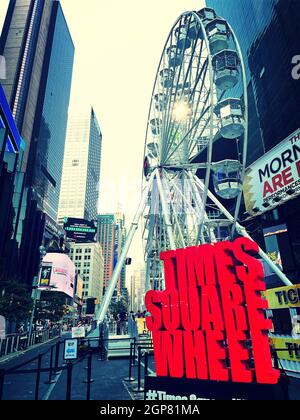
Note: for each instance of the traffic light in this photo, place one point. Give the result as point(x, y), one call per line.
point(90, 306)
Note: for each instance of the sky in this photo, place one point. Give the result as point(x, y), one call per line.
point(118, 46)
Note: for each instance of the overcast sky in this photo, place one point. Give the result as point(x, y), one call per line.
point(118, 46)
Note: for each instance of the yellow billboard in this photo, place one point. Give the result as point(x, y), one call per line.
point(283, 297)
point(141, 326)
point(292, 345)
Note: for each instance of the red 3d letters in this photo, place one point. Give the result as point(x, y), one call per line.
point(209, 322)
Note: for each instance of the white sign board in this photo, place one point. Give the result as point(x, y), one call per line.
point(71, 349)
point(275, 177)
point(2, 328)
point(78, 332)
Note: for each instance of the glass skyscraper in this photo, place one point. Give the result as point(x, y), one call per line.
point(39, 54)
point(81, 169)
point(269, 33)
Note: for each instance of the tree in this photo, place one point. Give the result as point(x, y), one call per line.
point(51, 306)
point(15, 301)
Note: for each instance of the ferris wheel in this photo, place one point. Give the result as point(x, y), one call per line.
point(196, 141)
point(195, 148)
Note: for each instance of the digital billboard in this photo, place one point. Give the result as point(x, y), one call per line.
point(80, 230)
point(57, 274)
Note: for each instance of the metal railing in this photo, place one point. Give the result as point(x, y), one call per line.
point(13, 343)
point(55, 364)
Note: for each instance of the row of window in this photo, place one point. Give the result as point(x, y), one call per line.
point(80, 251)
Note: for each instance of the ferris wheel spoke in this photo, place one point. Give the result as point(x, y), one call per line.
point(174, 133)
point(192, 124)
point(170, 93)
point(180, 82)
point(191, 130)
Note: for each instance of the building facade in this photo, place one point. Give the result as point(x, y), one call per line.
point(137, 290)
point(81, 170)
point(106, 237)
point(269, 33)
point(39, 54)
point(112, 236)
point(89, 263)
point(11, 153)
point(120, 241)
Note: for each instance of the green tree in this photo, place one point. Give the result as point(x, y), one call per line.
point(15, 301)
point(51, 306)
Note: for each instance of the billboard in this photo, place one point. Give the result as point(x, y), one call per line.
point(45, 276)
point(78, 290)
point(80, 230)
point(209, 323)
point(274, 178)
point(79, 287)
point(57, 274)
point(283, 297)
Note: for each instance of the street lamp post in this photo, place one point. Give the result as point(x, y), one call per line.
point(42, 252)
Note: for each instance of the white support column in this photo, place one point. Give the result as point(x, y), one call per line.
point(242, 231)
point(165, 211)
point(117, 271)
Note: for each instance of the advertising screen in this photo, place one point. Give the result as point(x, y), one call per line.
point(58, 274)
point(275, 177)
point(80, 230)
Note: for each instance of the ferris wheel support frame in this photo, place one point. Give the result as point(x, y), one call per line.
point(134, 226)
point(242, 231)
point(117, 271)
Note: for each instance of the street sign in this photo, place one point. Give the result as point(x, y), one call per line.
point(71, 349)
point(78, 332)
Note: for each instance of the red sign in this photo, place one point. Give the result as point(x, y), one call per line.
point(212, 306)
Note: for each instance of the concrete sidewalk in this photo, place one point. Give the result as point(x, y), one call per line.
point(107, 385)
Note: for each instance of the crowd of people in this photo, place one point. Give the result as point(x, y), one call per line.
point(122, 319)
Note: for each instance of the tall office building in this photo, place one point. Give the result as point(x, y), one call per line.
point(81, 171)
point(112, 236)
point(269, 33)
point(106, 237)
point(39, 55)
point(120, 238)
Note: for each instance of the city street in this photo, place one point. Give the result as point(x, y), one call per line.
point(108, 378)
point(149, 200)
